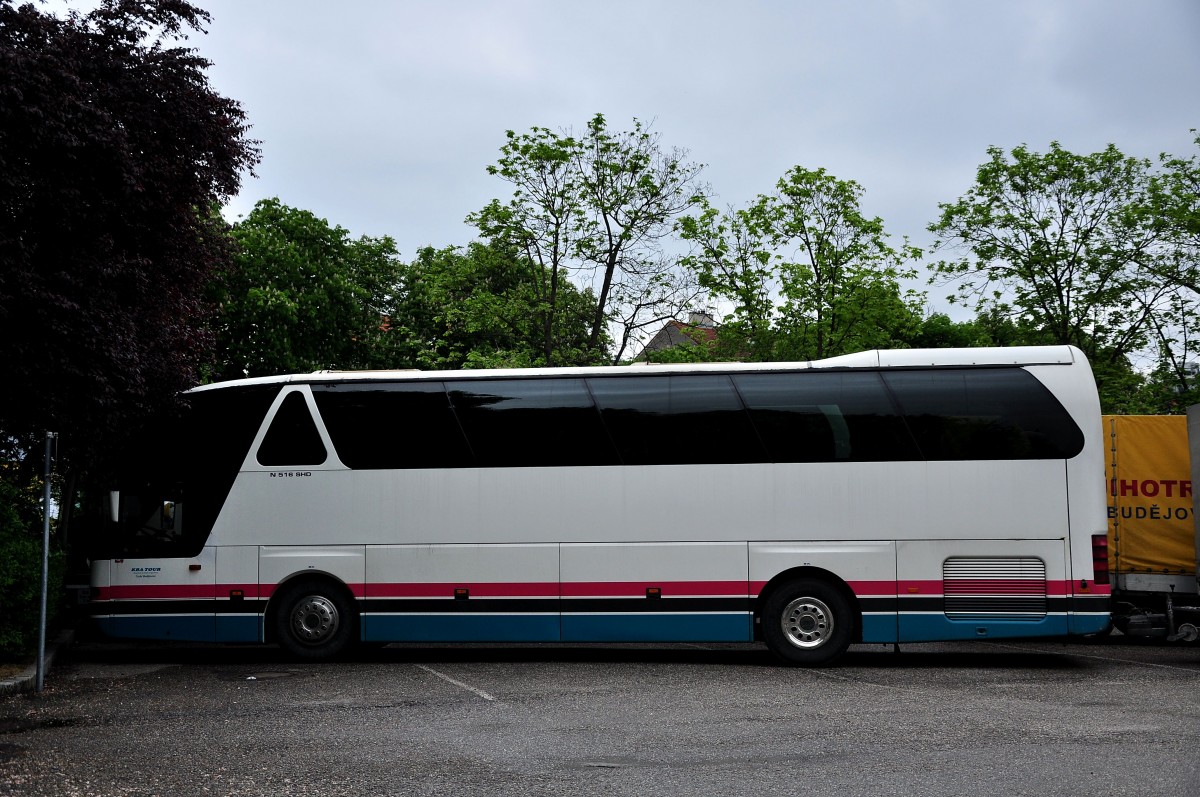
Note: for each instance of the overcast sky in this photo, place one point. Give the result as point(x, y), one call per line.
point(383, 116)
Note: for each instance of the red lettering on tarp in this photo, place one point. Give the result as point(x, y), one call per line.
point(1150, 488)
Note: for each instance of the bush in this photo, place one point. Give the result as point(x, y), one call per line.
point(21, 577)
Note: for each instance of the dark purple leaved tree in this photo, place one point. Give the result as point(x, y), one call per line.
point(114, 155)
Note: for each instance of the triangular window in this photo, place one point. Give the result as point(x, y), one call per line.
point(293, 438)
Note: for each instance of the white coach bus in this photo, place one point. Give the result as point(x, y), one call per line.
point(881, 497)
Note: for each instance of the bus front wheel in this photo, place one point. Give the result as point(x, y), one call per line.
point(314, 620)
point(808, 622)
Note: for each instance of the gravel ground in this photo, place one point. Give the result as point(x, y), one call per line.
point(1110, 718)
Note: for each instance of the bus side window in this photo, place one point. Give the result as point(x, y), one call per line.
point(814, 416)
point(681, 419)
point(385, 425)
point(531, 422)
point(293, 438)
point(841, 430)
point(999, 413)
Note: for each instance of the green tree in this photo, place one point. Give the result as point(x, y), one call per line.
point(1072, 246)
point(938, 331)
point(482, 307)
point(112, 147)
point(302, 295)
point(21, 567)
point(734, 264)
point(594, 210)
point(1175, 200)
point(809, 276)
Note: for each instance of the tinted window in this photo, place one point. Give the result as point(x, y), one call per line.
point(814, 416)
point(189, 460)
point(220, 431)
point(676, 420)
point(221, 426)
point(799, 416)
point(531, 422)
point(379, 425)
point(293, 438)
point(1002, 413)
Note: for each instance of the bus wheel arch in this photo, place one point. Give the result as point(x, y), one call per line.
point(312, 616)
point(808, 616)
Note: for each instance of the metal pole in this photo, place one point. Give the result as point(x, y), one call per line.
point(41, 656)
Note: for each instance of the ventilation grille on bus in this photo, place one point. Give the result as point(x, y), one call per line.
point(994, 588)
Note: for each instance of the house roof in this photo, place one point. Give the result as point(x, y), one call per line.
point(676, 333)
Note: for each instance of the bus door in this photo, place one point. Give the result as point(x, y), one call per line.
point(157, 593)
point(981, 589)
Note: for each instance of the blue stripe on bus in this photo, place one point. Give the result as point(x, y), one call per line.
point(939, 628)
point(459, 628)
point(239, 628)
point(658, 628)
point(1089, 623)
point(187, 628)
point(878, 628)
point(698, 627)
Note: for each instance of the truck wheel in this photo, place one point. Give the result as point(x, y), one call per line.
point(314, 620)
point(808, 622)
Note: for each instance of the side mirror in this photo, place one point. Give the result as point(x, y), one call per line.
point(114, 506)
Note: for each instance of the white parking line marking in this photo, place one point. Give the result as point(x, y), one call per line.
point(460, 684)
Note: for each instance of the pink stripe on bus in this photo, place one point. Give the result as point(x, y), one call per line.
point(592, 589)
point(611, 589)
point(997, 586)
point(445, 589)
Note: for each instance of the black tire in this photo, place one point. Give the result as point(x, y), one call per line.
point(808, 622)
point(315, 619)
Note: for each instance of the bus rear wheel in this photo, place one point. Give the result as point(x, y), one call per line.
point(808, 622)
point(314, 620)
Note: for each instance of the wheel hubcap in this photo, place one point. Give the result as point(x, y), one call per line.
point(807, 623)
point(314, 620)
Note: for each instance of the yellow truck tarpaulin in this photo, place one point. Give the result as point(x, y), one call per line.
point(1149, 495)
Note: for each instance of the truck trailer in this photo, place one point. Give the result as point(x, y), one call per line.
point(1152, 531)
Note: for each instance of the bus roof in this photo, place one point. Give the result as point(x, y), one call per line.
point(878, 358)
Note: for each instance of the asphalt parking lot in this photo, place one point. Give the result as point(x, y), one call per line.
point(1105, 718)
